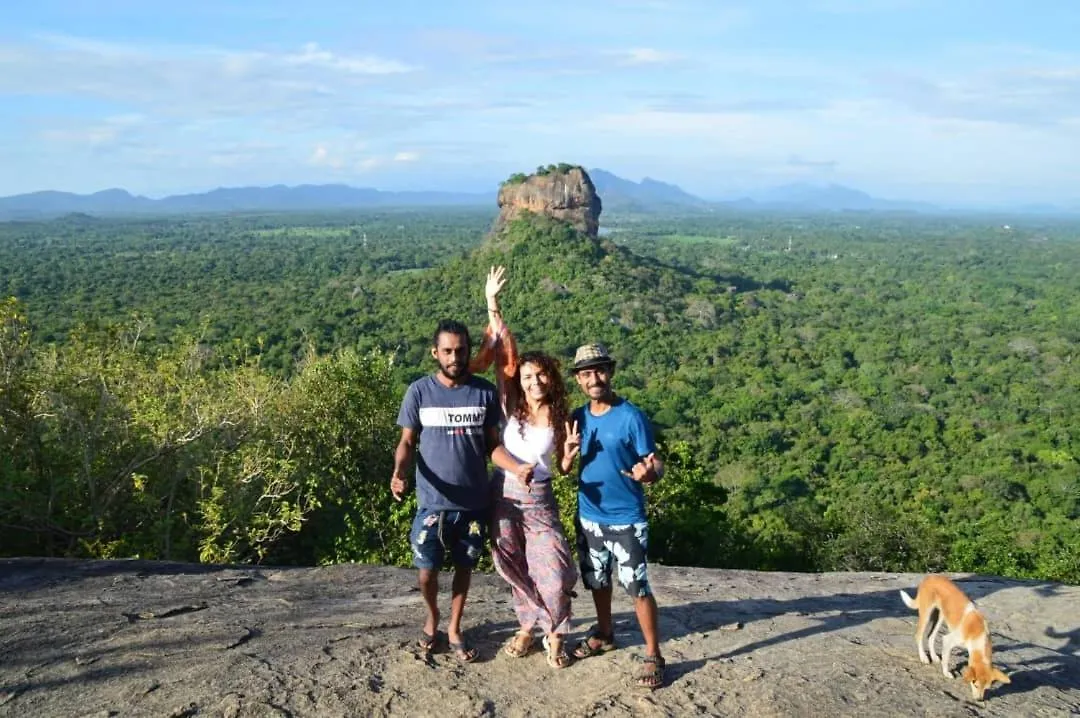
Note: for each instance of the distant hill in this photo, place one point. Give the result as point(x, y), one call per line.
point(618, 195)
point(277, 198)
point(648, 195)
point(824, 198)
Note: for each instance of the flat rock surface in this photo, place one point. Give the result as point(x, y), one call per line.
point(138, 638)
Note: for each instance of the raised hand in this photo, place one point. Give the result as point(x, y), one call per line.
point(494, 284)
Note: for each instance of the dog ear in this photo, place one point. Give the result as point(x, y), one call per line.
point(997, 675)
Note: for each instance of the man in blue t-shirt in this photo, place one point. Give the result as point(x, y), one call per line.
point(618, 457)
point(454, 417)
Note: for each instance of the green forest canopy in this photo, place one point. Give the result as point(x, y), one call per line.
point(833, 392)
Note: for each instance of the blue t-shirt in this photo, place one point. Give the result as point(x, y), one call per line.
point(451, 462)
point(610, 444)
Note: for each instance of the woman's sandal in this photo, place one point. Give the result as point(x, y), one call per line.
point(520, 645)
point(651, 675)
point(594, 644)
point(557, 657)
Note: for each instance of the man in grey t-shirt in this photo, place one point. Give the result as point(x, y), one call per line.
point(455, 418)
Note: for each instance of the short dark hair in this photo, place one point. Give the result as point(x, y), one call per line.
point(451, 326)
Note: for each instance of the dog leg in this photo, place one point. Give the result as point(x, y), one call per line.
point(920, 637)
point(938, 624)
point(951, 640)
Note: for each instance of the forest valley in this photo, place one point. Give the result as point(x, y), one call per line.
point(832, 392)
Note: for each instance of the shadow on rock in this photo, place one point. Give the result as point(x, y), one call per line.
point(1060, 669)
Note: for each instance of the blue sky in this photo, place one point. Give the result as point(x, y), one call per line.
point(956, 101)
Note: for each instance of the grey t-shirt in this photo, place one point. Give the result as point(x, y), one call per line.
point(451, 464)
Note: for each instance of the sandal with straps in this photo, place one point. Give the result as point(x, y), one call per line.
point(427, 641)
point(594, 644)
point(651, 675)
point(520, 645)
point(557, 657)
point(464, 652)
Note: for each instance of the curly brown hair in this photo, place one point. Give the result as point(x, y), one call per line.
point(559, 410)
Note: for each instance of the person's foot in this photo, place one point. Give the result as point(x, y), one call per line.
point(463, 651)
point(594, 643)
point(520, 644)
point(555, 644)
point(460, 645)
point(651, 675)
point(430, 634)
point(426, 641)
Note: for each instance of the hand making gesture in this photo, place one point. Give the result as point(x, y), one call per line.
point(646, 471)
point(571, 446)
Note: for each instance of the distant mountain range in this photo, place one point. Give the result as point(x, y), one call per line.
point(620, 194)
point(616, 193)
point(827, 198)
point(277, 198)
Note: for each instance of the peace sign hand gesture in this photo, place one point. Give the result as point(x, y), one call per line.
point(572, 445)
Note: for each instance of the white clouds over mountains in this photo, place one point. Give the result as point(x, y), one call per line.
point(707, 98)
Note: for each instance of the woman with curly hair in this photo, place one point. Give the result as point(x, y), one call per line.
point(529, 547)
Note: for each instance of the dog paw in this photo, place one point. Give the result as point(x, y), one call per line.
point(925, 659)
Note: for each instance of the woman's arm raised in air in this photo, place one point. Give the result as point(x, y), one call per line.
point(498, 347)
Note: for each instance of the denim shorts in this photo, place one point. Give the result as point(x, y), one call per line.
point(436, 531)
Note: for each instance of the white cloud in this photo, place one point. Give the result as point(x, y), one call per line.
point(865, 140)
point(110, 131)
point(194, 82)
point(1020, 96)
point(406, 157)
point(648, 56)
point(315, 56)
point(861, 7)
point(320, 156)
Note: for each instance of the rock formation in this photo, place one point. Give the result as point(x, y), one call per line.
point(141, 638)
point(564, 192)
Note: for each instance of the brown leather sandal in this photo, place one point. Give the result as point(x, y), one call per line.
point(520, 645)
point(557, 657)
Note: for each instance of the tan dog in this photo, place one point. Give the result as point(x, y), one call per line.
point(967, 628)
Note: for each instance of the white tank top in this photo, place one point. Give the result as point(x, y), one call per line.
point(536, 447)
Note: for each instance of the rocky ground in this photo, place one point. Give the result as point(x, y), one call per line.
point(134, 638)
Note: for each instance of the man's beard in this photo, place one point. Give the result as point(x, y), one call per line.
point(453, 371)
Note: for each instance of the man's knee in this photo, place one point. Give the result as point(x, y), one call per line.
point(429, 577)
point(646, 602)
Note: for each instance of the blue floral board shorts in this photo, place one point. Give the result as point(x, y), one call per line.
point(607, 550)
point(435, 532)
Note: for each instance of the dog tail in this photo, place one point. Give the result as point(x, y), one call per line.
point(908, 600)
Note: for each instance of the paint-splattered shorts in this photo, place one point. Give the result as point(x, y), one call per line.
point(606, 549)
point(434, 532)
